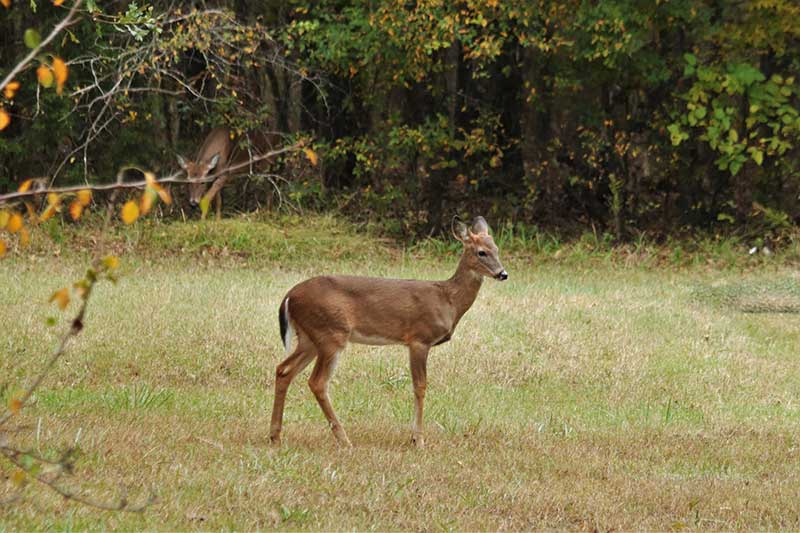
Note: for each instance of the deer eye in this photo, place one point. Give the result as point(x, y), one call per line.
point(481, 253)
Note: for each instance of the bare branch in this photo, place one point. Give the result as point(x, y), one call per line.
point(173, 178)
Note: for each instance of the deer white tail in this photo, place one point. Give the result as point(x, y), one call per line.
point(286, 325)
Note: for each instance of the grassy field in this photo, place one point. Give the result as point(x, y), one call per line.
point(586, 395)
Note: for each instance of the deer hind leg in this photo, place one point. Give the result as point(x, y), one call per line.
point(418, 354)
point(285, 373)
point(327, 357)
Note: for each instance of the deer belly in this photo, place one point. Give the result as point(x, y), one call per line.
point(373, 340)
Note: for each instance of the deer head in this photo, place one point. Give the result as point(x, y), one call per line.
point(196, 173)
point(480, 251)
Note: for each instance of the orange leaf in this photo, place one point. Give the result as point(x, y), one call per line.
point(61, 72)
point(48, 213)
point(11, 89)
point(5, 119)
point(14, 223)
point(75, 210)
point(3, 248)
point(24, 186)
point(14, 405)
point(18, 477)
point(58, 2)
point(24, 237)
point(165, 196)
point(45, 75)
point(130, 212)
point(311, 155)
point(6, 3)
point(61, 297)
point(32, 218)
point(84, 197)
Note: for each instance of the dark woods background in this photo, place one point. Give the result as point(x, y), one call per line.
point(622, 115)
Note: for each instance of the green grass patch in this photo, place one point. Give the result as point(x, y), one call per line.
point(577, 394)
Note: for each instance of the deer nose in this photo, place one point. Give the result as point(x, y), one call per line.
point(193, 202)
point(502, 275)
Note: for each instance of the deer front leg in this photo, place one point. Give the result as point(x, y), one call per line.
point(419, 375)
point(218, 204)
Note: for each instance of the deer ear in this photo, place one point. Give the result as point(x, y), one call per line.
point(479, 225)
point(213, 162)
point(181, 161)
point(460, 230)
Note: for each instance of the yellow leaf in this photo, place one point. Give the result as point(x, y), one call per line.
point(25, 185)
point(14, 223)
point(311, 155)
point(84, 197)
point(53, 199)
point(24, 237)
point(146, 201)
point(61, 296)
point(14, 404)
point(150, 179)
point(111, 262)
point(48, 213)
point(3, 248)
point(75, 210)
point(204, 203)
point(45, 76)
point(5, 119)
point(11, 89)
point(4, 216)
point(61, 73)
point(130, 212)
point(18, 477)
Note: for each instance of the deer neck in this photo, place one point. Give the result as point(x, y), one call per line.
point(463, 287)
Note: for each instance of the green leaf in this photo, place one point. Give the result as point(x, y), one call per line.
point(691, 59)
point(51, 321)
point(758, 156)
point(32, 38)
point(700, 112)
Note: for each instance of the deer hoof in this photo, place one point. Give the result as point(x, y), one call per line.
point(275, 440)
point(418, 441)
point(341, 437)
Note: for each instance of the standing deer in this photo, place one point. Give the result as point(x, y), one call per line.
point(214, 155)
point(327, 312)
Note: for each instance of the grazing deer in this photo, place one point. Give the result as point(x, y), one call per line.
point(214, 155)
point(327, 312)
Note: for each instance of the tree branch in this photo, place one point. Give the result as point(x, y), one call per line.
point(172, 178)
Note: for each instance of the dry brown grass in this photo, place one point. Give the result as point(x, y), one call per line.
point(605, 398)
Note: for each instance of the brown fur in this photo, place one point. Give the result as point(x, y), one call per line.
point(327, 312)
point(218, 143)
